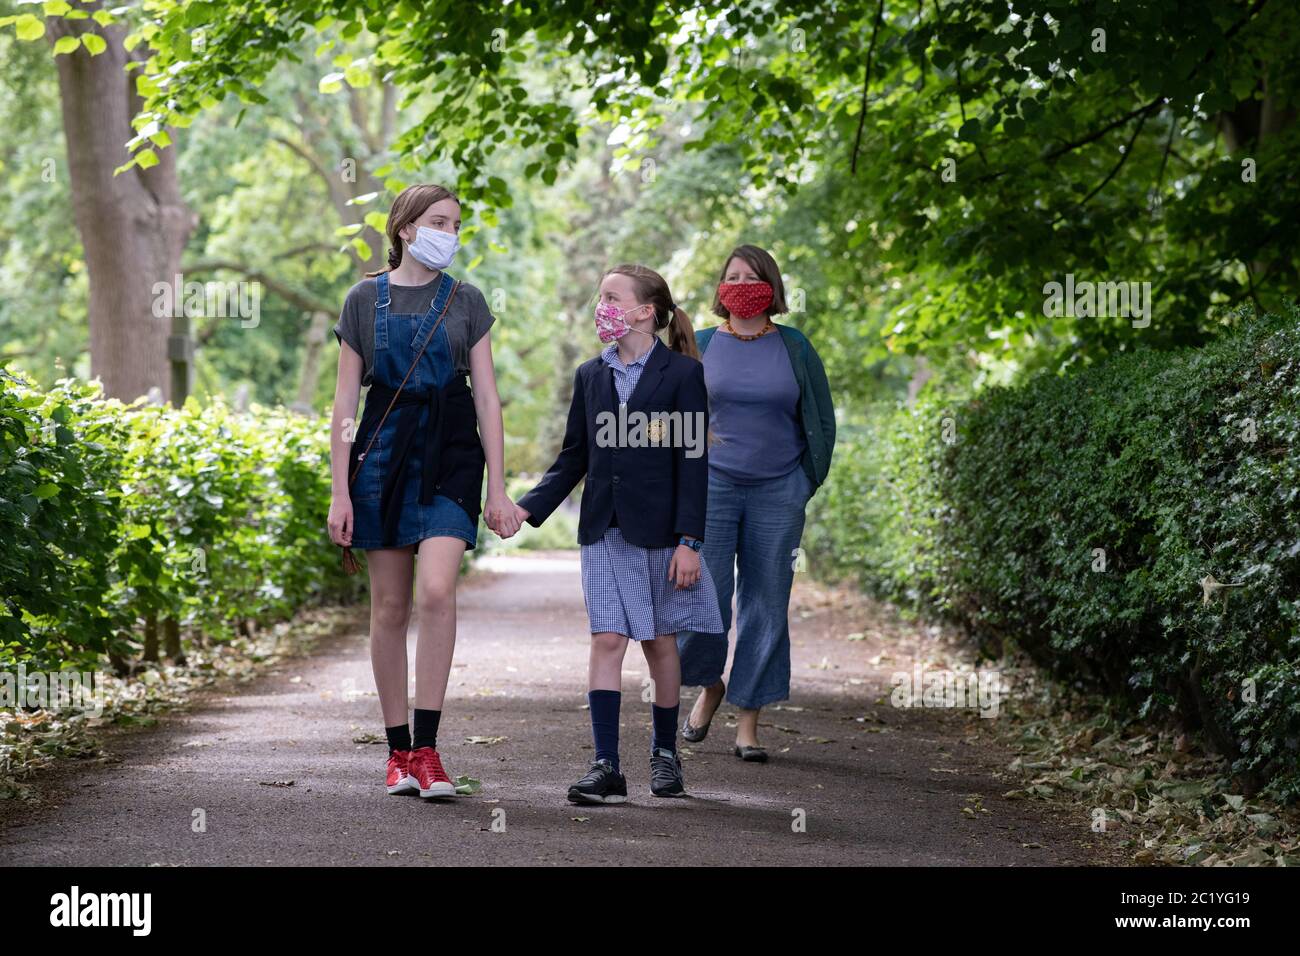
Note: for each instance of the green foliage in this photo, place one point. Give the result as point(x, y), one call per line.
point(1088, 519)
point(990, 149)
point(60, 513)
point(112, 514)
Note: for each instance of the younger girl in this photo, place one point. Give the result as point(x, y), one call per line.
point(410, 483)
point(641, 524)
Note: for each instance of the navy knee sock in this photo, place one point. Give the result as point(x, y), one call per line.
point(399, 738)
point(604, 723)
point(426, 728)
point(665, 723)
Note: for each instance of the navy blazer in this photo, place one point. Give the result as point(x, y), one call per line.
point(659, 490)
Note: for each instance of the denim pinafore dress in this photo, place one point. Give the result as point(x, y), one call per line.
point(419, 476)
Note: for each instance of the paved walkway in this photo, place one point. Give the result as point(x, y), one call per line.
point(871, 784)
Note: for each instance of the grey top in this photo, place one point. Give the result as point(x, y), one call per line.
point(468, 317)
point(753, 408)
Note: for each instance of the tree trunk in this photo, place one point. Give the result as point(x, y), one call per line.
point(311, 359)
point(150, 652)
point(172, 641)
point(133, 226)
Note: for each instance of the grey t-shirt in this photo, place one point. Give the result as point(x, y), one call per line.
point(468, 317)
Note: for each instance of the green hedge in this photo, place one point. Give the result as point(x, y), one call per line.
point(129, 529)
point(1179, 466)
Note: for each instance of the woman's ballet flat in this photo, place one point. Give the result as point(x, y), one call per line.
point(695, 734)
point(751, 754)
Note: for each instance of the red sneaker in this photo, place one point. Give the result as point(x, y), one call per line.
point(399, 773)
point(427, 774)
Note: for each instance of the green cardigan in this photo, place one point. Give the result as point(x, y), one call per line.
point(815, 407)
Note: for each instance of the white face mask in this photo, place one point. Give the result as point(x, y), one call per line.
point(434, 248)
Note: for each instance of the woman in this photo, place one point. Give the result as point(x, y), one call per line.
point(642, 515)
point(410, 484)
point(772, 434)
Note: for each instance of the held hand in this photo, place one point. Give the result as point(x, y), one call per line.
point(499, 515)
point(339, 521)
point(684, 568)
point(522, 514)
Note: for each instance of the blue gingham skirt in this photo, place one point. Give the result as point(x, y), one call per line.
point(627, 591)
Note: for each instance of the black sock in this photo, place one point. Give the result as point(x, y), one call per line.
point(604, 723)
point(426, 728)
point(665, 724)
point(399, 738)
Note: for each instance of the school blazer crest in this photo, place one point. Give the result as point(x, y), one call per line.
point(660, 490)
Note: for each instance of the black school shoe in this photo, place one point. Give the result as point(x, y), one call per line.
point(602, 784)
point(666, 774)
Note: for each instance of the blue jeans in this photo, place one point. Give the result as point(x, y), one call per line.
point(751, 535)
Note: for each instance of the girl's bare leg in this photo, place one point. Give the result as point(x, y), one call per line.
point(665, 669)
point(391, 571)
point(605, 665)
point(435, 601)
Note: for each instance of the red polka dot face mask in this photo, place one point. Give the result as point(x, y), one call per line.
point(745, 299)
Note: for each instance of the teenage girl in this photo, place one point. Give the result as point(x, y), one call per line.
point(641, 524)
point(419, 475)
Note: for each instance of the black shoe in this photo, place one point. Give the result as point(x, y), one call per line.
point(751, 754)
point(666, 774)
point(696, 734)
point(602, 784)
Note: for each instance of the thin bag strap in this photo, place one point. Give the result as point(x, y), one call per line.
point(375, 434)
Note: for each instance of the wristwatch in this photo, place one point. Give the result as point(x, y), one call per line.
point(693, 543)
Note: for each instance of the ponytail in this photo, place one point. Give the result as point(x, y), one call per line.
point(681, 335)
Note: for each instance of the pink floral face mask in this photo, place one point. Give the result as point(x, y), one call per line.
point(611, 321)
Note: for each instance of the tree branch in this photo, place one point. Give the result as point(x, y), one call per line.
point(1128, 148)
point(1120, 121)
point(866, 85)
point(304, 300)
